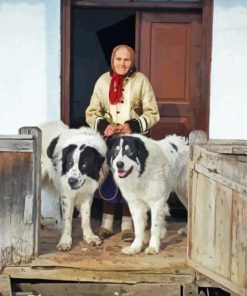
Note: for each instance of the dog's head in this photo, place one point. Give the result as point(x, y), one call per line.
point(125, 155)
point(75, 163)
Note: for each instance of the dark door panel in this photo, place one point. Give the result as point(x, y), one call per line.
point(170, 56)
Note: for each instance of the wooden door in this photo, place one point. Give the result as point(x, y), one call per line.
point(170, 55)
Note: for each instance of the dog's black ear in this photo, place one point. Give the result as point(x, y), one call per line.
point(142, 153)
point(101, 160)
point(51, 147)
point(93, 160)
point(98, 165)
point(110, 143)
point(66, 155)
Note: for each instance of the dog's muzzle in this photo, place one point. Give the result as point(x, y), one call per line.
point(121, 172)
point(74, 183)
point(120, 165)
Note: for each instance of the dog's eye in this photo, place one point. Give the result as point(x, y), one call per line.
point(115, 152)
point(129, 152)
point(70, 163)
point(83, 165)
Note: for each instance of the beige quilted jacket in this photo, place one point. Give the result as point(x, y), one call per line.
point(138, 105)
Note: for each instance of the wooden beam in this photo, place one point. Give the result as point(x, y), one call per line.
point(207, 24)
point(5, 285)
point(16, 144)
point(79, 288)
point(225, 283)
point(82, 275)
point(37, 146)
point(65, 59)
point(138, 5)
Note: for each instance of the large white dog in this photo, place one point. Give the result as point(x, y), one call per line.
point(72, 168)
point(147, 171)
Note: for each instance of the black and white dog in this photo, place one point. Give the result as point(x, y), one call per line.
point(73, 165)
point(147, 171)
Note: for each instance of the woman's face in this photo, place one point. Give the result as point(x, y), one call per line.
point(122, 61)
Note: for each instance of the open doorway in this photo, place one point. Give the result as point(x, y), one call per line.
point(173, 49)
point(94, 34)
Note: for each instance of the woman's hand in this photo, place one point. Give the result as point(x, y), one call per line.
point(110, 130)
point(125, 129)
point(113, 129)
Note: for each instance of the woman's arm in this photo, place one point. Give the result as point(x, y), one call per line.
point(150, 112)
point(94, 116)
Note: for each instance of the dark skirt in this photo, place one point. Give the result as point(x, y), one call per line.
point(109, 192)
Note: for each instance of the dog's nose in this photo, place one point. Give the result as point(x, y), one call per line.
point(72, 181)
point(120, 164)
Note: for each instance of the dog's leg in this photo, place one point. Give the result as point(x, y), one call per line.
point(183, 197)
point(67, 209)
point(157, 227)
point(58, 214)
point(138, 213)
point(88, 235)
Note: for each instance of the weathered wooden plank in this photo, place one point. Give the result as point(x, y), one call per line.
point(5, 285)
point(36, 134)
point(16, 137)
point(221, 188)
point(195, 232)
point(210, 232)
point(18, 145)
point(218, 279)
point(239, 240)
point(208, 210)
point(223, 223)
point(19, 196)
point(108, 256)
point(192, 186)
point(16, 181)
point(227, 146)
point(220, 179)
point(28, 209)
point(203, 281)
point(231, 167)
point(189, 290)
point(105, 263)
point(226, 142)
point(135, 5)
point(229, 149)
point(106, 289)
point(203, 234)
point(111, 276)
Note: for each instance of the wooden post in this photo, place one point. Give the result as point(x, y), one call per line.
point(5, 286)
point(36, 132)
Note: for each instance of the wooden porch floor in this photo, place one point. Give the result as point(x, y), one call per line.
point(105, 263)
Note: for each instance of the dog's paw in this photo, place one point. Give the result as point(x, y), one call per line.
point(151, 250)
point(130, 250)
point(64, 244)
point(93, 240)
point(182, 230)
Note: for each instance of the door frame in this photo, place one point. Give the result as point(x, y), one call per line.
point(204, 6)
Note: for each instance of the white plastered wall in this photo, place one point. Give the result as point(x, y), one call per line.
point(29, 63)
point(228, 101)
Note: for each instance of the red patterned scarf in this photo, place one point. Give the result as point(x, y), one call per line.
point(116, 88)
